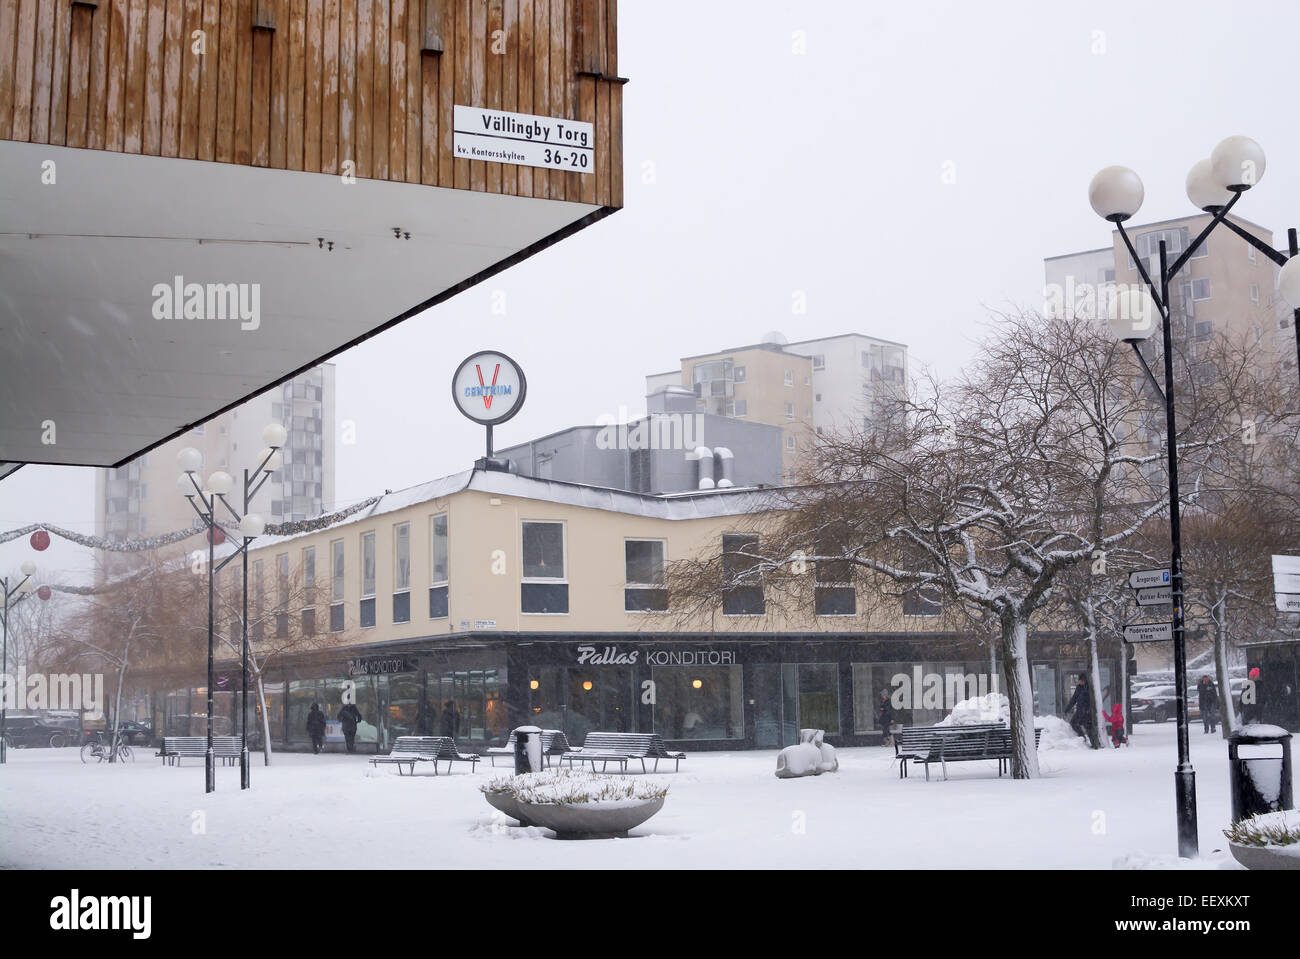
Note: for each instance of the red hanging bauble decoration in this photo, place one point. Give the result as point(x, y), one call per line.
point(40, 540)
point(43, 592)
point(216, 536)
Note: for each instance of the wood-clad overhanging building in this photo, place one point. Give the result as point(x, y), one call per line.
point(200, 198)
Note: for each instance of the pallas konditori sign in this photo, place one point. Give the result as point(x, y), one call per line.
point(497, 136)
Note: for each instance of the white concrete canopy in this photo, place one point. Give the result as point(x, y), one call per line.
point(80, 259)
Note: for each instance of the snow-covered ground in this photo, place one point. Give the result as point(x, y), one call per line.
point(1090, 810)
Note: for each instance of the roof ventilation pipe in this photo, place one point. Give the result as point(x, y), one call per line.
point(705, 456)
point(725, 467)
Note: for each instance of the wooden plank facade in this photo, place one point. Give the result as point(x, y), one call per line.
point(326, 86)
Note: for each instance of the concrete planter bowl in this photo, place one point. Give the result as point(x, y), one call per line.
point(592, 820)
point(1266, 857)
point(576, 804)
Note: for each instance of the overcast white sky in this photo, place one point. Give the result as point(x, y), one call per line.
point(754, 171)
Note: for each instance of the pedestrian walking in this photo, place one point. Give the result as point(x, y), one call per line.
point(1081, 719)
point(316, 728)
point(1208, 699)
point(886, 718)
point(449, 721)
point(348, 718)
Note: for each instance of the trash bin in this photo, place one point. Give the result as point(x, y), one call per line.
point(1259, 770)
point(528, 750)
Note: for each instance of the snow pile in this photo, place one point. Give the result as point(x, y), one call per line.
point(569, 786)
point(1057, 734)
point(993, 708)
point(803, 759)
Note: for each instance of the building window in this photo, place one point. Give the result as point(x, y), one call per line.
point(309, 622)
point(439, 563)
point(309, 576)
point(367, 579)
point(702, 702)
point(833, 590)
point(789, 377)
point(1202, 330)
point(738, 374)
point(544, 588)
point(1201, 289)
point(819, 362)
point(741, 408)
point(790, 443)
point(1250, 250)
point(1254, 293)
point(402, 573)
point(743, 583)
point(282, 596)
point(644, 571)
point(921, 601)
point(336, 586)
point(789, 411)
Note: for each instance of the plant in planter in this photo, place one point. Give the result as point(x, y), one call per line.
point(576, 804)
point(1267, 841)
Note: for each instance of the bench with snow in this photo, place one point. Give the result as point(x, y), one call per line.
point(606, 748)
point(409, 750)
point(175, 748)
point(945, 744)
point(554, 743)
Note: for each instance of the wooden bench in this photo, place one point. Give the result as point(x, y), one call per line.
point(945, 744)
point(174, 748)
point(606, 748)
point(554, 743)
point(409, 750)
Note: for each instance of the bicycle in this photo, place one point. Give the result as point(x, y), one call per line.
point(96, 749)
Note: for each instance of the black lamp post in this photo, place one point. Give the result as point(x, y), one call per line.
point(251, 525)
point(1213, 185)
point(28, 568)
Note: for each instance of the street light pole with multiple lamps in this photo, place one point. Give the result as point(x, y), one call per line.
point(251, 525)
point(1213, 185)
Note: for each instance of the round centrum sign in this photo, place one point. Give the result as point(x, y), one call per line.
point(489, 387)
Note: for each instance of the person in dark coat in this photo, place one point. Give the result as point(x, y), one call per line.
point(348, 718)
point(424, 719)
point(449, 721)
point(316, 728)
point(1208, 699)
point(886, 717)
point(1081, 705)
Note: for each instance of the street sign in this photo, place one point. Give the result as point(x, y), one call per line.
point(489, 387)
point(1286, 582)
point(1288, 602)
point(1286, 564)
point(1148, 632)
point(1145, 578)
point(1155, 596)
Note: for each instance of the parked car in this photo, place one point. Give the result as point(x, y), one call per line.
point(132, 732)
point(24, 731)
point(1158, 704)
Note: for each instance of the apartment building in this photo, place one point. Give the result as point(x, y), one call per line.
point(831, 384)
point(526, 600)
point(140, 499)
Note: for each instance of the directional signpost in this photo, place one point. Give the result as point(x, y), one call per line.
point(1148, 632)
point(1155, 596)
point(1286, 583)
point(1147, 578)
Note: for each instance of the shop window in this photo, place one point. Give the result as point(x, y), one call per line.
point(743, 594)
point(544, 589)
point(698, 702)
point(645, 576)
point(819, 697)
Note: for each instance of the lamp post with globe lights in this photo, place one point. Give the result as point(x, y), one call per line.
point(1214, 185)
point(251, 525)
point(24, 585)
